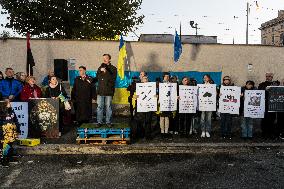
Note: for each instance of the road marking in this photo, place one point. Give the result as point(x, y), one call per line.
point(10, 179)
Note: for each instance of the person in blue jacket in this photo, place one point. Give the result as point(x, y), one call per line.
point(10, 88)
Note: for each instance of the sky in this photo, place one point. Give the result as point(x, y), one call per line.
point(225, 19)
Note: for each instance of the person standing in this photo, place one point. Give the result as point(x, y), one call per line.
point(205, 120)
point(106, 76)
point(10, 88)
point(83, 92)
point(267, 123)
point(226, 118)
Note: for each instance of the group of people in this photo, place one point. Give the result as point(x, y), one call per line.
point(85, 90)
point(187, 123)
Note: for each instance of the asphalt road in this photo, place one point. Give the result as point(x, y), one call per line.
point(253, 168)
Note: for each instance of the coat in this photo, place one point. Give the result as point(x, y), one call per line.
point(83, 92)
point(10, 86)
point(106, 81)
point(28, 92)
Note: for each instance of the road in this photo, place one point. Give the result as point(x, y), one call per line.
point(252, 168)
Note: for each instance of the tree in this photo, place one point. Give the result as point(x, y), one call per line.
point(73, 19)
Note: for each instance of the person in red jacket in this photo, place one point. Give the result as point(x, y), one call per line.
point(30, 90)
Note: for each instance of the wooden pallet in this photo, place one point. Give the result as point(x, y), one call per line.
point(99, 140)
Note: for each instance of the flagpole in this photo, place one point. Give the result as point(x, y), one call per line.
point(247, 29)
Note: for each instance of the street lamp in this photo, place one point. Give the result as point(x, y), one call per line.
point(194, 26)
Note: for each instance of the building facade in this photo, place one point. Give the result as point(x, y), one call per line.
point(272, 32)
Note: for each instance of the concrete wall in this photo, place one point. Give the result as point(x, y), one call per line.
point(230, 59)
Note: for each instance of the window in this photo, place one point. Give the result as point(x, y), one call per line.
point(282, 39)
point(273, 39)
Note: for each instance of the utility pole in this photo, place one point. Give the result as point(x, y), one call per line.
point(247, 29)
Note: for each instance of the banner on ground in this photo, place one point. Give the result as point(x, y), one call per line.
point(22, 112)
point(206, 97)
point(254, 105)
point(147, 100)
point(275, 98)
point(168, 97)
point(229, 101)
point(187, 99)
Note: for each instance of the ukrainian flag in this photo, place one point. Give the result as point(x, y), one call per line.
point(121, 58)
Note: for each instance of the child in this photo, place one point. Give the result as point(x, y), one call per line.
point(247, 123)
point(205, 119)
point(8, 131)
point(226, 118)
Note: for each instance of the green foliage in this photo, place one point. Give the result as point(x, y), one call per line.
point(73, 19)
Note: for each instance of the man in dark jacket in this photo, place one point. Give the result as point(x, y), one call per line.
point(82, 94)
point(106, 76)
point(267, 123)
point(10, 88)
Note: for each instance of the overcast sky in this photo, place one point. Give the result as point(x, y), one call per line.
point(215, 18)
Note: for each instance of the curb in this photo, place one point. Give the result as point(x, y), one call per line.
point(151, 148)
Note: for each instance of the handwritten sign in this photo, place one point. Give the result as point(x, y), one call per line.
point(21, 110)
point(207, 97)
point(254, 105)
point(188, 99)
point(229, 101)
point(146, 101)
point(168, 96)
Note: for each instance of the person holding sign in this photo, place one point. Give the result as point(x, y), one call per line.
point(267, 123)
point(205, 120)
point(226, 118)
point(165, 115)
point(143, 119)
point(246, 122)
point(187, 106)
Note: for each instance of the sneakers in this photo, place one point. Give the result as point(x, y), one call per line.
point(207, 134)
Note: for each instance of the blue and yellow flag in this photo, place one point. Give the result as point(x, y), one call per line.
point(121, 58)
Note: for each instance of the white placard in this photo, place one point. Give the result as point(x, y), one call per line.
point(206, 97)
point(188, 99)
point(22, 112)
point(168, 97)
point(146, 101)
point(229, 101)
point(254, 106)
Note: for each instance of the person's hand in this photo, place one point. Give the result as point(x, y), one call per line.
point(94, 101)
point(53, 97)
point(156, 96)
point(135, 97)
point(178, 97)
point(11, 97)
point(242, 94)
point(103, 69)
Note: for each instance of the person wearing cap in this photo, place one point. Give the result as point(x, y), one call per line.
point(267, 123)
point(226, 118)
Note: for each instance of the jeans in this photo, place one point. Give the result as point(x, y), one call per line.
point(247, 125)
point(226, 123)
point(205, 121)
point(104, 101)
